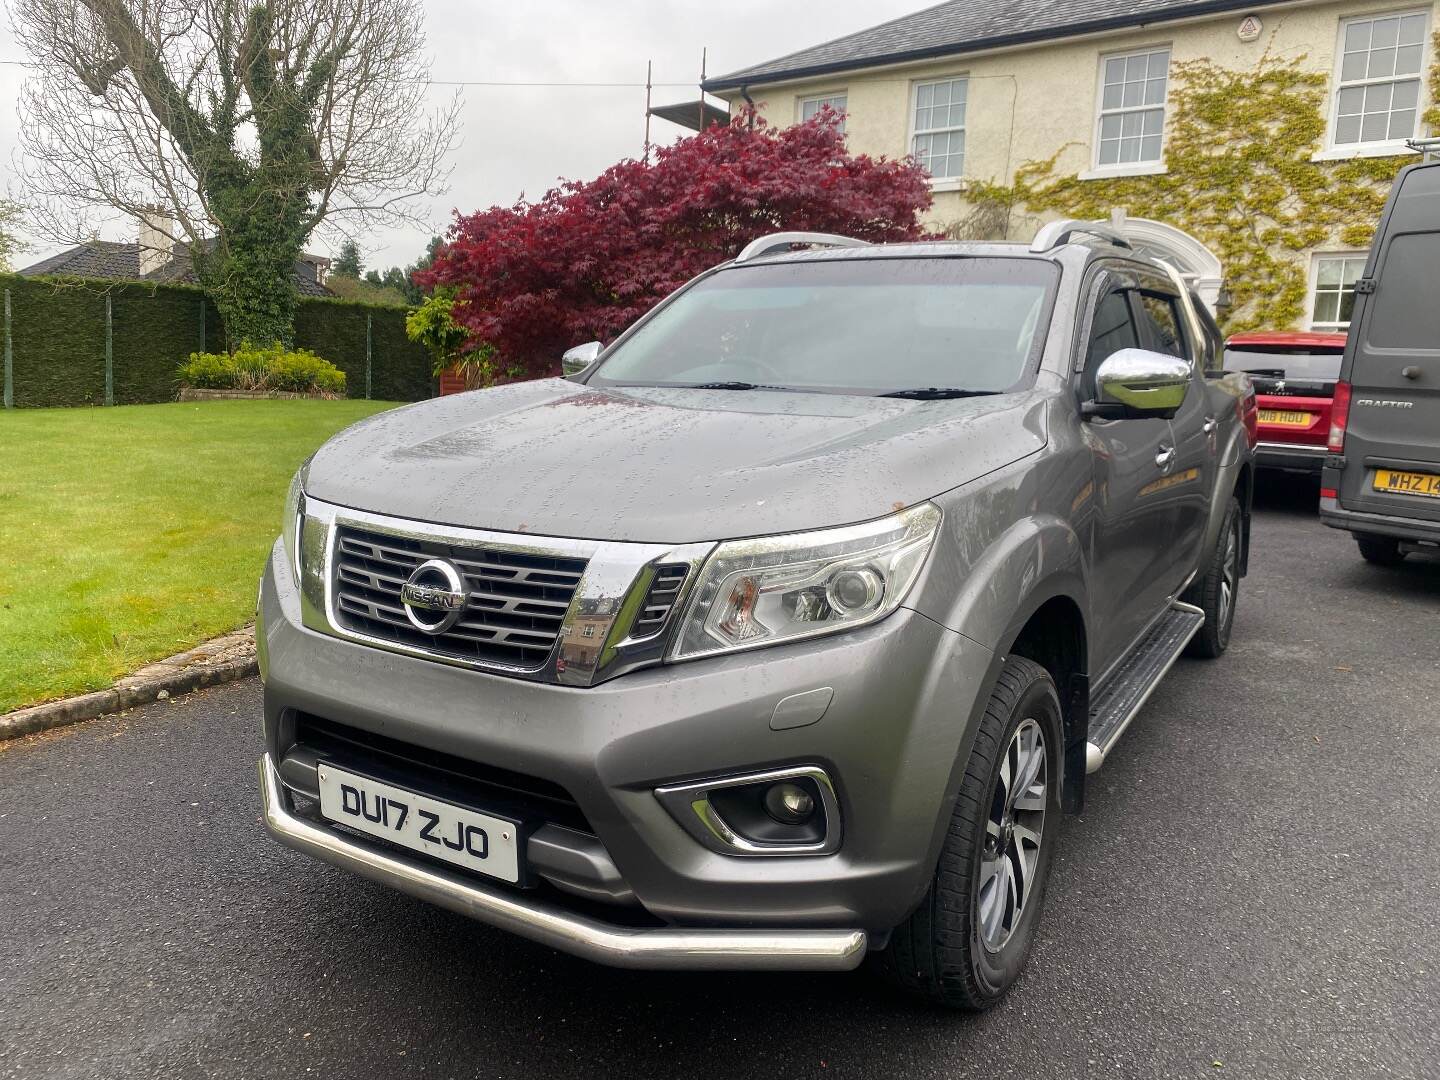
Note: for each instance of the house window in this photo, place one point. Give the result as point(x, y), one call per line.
point(809, 107)
point(1378, 90)
point(588, 630)
point(939, 134)
point(1333, 295)
point(1132, 107)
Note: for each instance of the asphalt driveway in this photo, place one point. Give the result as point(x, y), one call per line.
point(1253, 890)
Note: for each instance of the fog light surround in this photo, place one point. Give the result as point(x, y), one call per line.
point(792, 811)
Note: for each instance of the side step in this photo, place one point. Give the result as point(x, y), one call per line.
point(1127, 690)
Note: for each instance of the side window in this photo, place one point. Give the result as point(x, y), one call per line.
point(1160, 324)
point(1213, 345)
point(1111, 329)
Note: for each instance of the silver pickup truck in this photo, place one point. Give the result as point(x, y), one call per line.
point(781, 631)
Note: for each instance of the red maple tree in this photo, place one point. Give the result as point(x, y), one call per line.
point(589, 258)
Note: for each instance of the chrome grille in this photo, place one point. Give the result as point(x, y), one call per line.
point(660, 600)
point(517, 600)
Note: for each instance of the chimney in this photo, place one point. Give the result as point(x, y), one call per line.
point(157, 239)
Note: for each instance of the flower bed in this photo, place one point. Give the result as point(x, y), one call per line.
point(263, 372)
point(190, 393)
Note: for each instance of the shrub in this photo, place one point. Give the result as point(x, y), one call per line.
point(433, 325)
point(208, 371)
point(591, 257)
point(482, 367)
point(263, 369)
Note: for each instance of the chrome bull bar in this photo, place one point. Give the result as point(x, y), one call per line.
point(665, 948)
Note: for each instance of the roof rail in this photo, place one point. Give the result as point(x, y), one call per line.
point(1060, 232)
point(783, 241)
point(1430, 147)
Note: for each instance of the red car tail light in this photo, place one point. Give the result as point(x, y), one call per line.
point(1339, 416)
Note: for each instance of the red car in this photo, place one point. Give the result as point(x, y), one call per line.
point(1294, 376)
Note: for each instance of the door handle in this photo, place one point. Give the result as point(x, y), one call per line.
point(1209, 426)
point(1165, 456)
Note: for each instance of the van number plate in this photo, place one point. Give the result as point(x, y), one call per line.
point(465, 837)
point(1408, 483)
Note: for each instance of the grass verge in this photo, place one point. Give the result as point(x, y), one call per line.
point(130, 533)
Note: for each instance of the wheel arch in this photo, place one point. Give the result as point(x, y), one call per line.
point(1245, 492)
point(1054, 634)
point(1235, 478)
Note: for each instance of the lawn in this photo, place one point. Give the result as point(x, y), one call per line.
point(131, 533)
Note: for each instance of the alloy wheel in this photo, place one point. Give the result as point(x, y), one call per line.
point(1013, 833)
point(1229, 576)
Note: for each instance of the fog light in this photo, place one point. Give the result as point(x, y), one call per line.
point(789, 804)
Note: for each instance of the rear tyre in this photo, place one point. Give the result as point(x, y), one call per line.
point(1217, 590)
point(1380, 550)
point(968, 940)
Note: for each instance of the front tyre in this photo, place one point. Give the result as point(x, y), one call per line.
point(1218, 588)
point(968, 940)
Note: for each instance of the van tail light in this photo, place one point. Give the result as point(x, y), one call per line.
point(1339, 416)
point(1329, 493)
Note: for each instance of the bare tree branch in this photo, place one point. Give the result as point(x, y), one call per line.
point(235, 116)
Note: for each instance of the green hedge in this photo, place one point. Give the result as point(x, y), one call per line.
point(57, 337)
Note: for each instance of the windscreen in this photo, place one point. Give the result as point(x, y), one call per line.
point(847, 326)
point(1303, 365)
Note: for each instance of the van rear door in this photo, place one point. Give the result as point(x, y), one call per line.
point(1392, 360)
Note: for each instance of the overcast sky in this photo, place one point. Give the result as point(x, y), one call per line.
point(522, 139)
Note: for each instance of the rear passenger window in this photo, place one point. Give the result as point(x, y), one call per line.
point(1160, 324)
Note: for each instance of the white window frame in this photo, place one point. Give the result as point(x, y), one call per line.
point(1129, 168)
point(1312, 288)
point(1381, 147)
point(823, 99)
point(952, 182)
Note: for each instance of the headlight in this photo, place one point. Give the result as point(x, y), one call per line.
point(781, 588)
point(290, 522)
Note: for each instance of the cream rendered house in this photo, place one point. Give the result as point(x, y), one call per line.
point(977, 89)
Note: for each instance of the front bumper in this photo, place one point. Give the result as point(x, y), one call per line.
point(906, 694)
point(617, 946)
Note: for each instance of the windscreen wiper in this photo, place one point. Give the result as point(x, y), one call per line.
point(937, 393)
point(734, 386)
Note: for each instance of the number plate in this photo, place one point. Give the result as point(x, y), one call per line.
point(1286, 417)
point(1407, 483)
point(468, 838)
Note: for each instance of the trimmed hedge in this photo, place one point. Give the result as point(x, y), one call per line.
point(57, 334)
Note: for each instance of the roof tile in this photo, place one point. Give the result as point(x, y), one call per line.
point(109, 260)
point(961, 26)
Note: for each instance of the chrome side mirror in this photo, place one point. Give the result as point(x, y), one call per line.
point(579, 358)
point(1138, 382)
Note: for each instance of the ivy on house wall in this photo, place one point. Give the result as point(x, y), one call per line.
point(1431, 116)
point(1240, 179)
